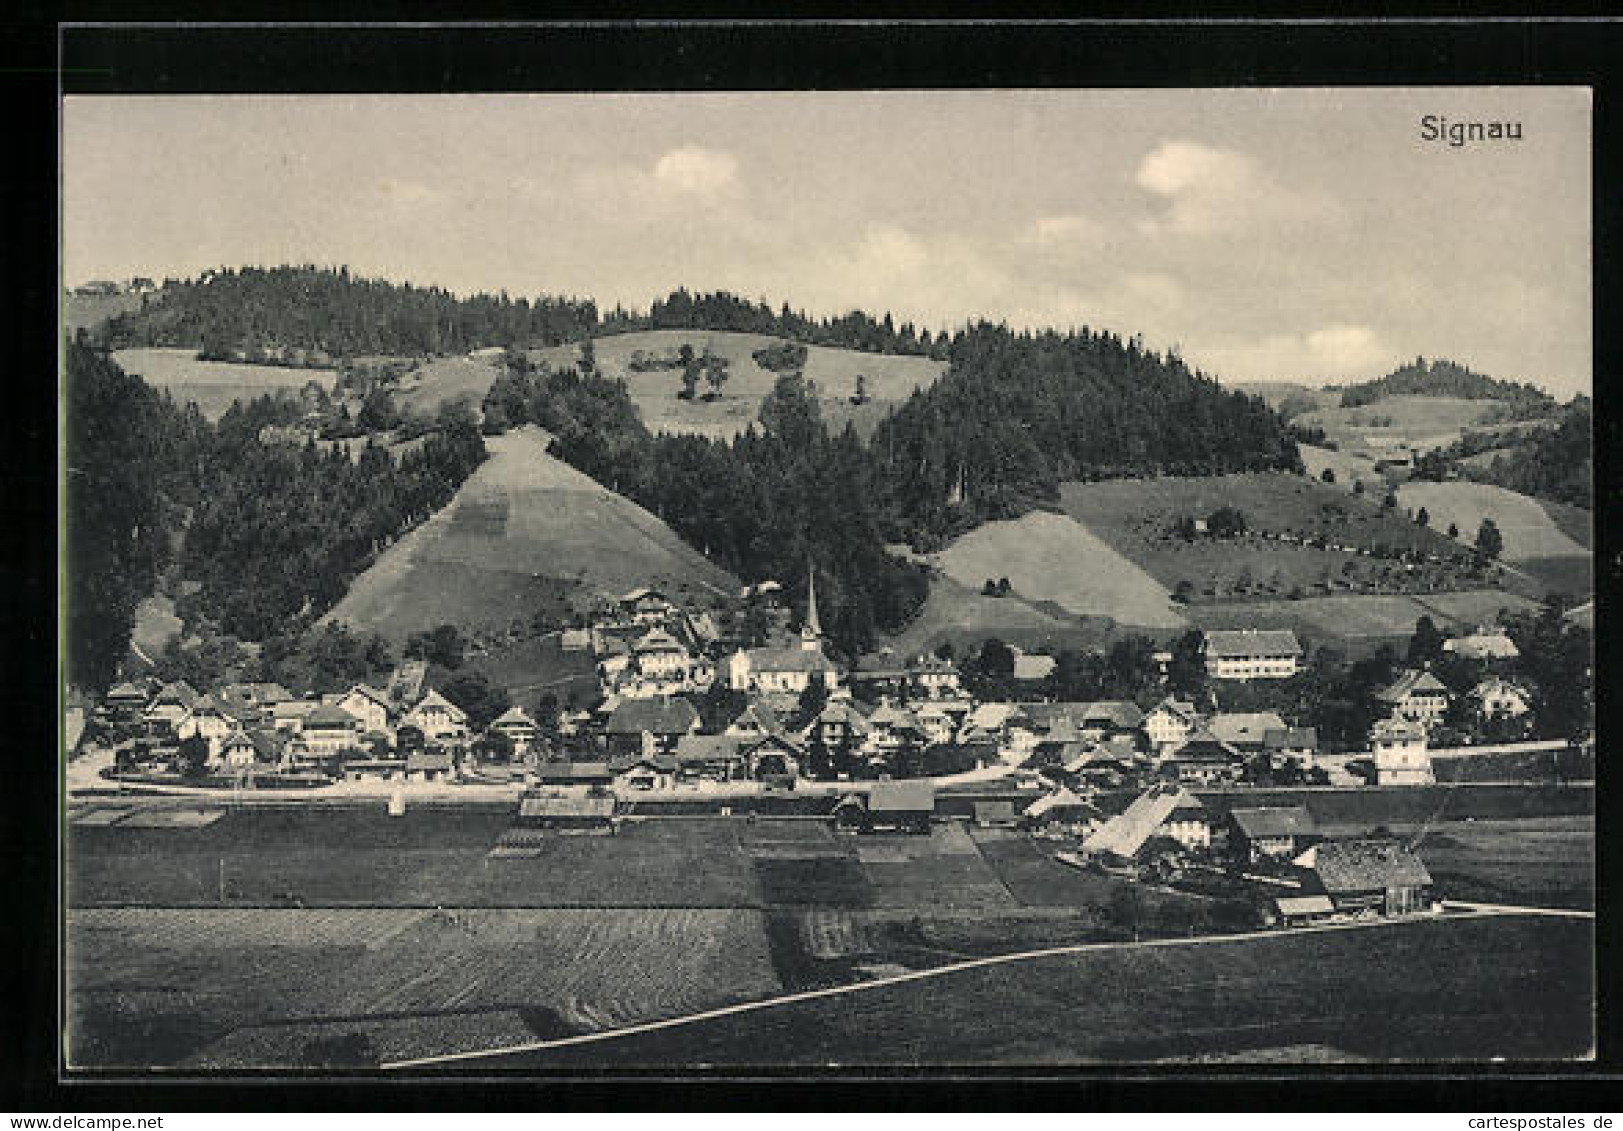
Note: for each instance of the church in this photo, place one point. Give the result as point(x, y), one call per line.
point(789, 666)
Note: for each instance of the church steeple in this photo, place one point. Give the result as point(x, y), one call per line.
point(811, 632)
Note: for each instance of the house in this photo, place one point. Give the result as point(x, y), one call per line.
point(1203, 759)
point(1400, 753)
point(1291, 744)
point(650, 726)
point(659, 655)
point(645, 606)
point(289, 716)
point(517, 727)
point(879, 673)
point(252, 703)
point(643, 773)
point(429, 765)
point(1495, 698)
point(1367, 875)
point(838, 724)
point(438, 718)
point(575, 640)
point(937, 721)
point(1415, 696)
point(934, 677)
point(588, 815)
point(1109, 717)
point(1063, 809)
point(369, 705)
point(206, 720)
point(773, 758)
point(756, 720)
point(125, 702)
point(565, 775)
point(245, 749)
point(892, 728)
point(1251, 653)
point(1164, 810)
point(362, 769)
point(172, 703)
point(895, 807)
point(329, 729)
point(1168, 724)
point(1300, 910)
point(1244, 730)
point(711, 757)
point(1486, 643)
point(1271, 832)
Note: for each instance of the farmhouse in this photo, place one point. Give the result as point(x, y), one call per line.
point(934, 677)
point(1251, 653)
point(206, 720)
point(1400, 753)
point(171, 704)
point(756, 720)
point(429, 765)
point(1270, 833)
point(714, 757)
point(369, 705)
point(996, 814)
point(838, 724)
point(650, 726)
point(1109, 717)
point(1374, 875)
point(1486, 643)
point(643, 773)
point(1203, 759)
point(1496, 699)
point(289, 716)
point(243, 750)
point(1168, 725)
point(1062, 809)
point(329, 729)
point(438, 718)
point(1416, 697)
point(1247, 732)
point(1293, 744)
point(517, 727)
point(1163, 810)
point(646, 606)
point(773, 758)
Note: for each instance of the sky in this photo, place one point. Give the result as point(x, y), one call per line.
point(1306, 235)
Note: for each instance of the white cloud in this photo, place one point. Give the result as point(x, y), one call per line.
point(1069, 230)
point(694, 169)
point(1331, 353)
point(1210, 191)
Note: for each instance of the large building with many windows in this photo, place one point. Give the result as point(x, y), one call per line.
point(1251, 653)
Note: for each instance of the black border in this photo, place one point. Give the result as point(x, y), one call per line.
point(1123, 51)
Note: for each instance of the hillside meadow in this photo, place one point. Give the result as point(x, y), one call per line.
point(213, 386)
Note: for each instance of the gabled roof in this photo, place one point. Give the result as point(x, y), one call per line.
point(1364, 865)
point(1411, 682)
point(1125, 834)
point(1118, 713)
point(1484, 646)
point(640, 593)
point(777, 741)
point(1497, 686)
point(434, 700)
point(178, 692)
point(664, 763)
point(1396, 730)
point(293, 708)
point(366, 691)
point(759, 716)
point(513, 716)
point(1244, 728)
point(901, 797)
point(1203, 745)
point(657, 640)
point(653, 716)
point(1061, 801)
point(1179, 708)
point(788, 660)
point(128, 692)
point(330, 715)
point(1232, 644)
point(837, 713)
point(895, 718)
point(1292, 820)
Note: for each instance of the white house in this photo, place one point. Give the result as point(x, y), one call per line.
point(1169, 723)
point(1416, 697)
point(329, 729)
point(369, 705)
point(206, 720)
point(1251, 653)
point(1400, 753)
point(517, 726)
point(437, 717)
point(1495, 698)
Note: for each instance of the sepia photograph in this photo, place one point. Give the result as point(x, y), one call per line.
point(827, 580)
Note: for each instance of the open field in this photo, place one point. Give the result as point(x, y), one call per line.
point(962, 616)
point(524, 525)
point(891, 378)
point(1528, 528)
point(1539, 861)
point(447, 379)
point(1051, 557)
point(1425, 422)
point(1348, 467)
point(213, 385)
point(1403, 809)
point(536, 665)
point(1138, 518)
point(1426, 990)
point(1575, 522)
point(155, 624)
point(259, 987)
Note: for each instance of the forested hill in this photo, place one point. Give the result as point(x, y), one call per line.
point(252, 310)
point(1442, 378)
point(1015, 415)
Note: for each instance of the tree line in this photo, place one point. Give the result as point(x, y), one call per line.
point(1444, 378)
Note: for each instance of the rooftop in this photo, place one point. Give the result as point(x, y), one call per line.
point(1242, 643)
point(1365, 865)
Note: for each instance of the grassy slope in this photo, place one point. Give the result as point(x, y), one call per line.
point(1426, 990)
point(444, 379)
point(1050, 557)
point(960, 615)
point(890, 379)
point(524, 525)
point(1424, 421)
point(1527, 526)
point(86, 312)
point(213, 385)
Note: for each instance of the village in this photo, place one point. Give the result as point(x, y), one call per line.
point(890, 745)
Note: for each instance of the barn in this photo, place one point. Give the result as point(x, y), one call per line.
point(1373, 874)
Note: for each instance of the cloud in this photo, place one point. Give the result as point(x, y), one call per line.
point(694, 169)
point(1209, 191)
point(1335, 352)
point(1061, 231)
